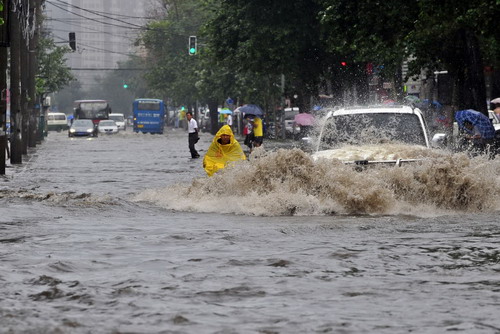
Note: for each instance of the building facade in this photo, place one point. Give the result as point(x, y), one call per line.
point(105, 33)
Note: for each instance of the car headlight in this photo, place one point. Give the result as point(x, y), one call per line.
point(90, 130)
point(72, 130)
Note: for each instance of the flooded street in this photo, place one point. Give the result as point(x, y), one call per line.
point(125, 234)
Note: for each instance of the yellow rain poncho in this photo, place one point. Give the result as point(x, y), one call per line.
point(219, 156)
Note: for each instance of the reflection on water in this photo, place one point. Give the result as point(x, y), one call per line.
point(289, 182)
point(78, 256)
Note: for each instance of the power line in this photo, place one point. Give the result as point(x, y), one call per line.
point(95, 13)
point(106, 51)
point(80, 40)
point(91, 19)
point(99, 12)
point(94, 32)
point(106, 69)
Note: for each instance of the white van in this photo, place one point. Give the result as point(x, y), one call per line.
point(57, 121)
point(119, 120)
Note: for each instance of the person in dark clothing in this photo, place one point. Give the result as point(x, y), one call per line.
point(192, 134)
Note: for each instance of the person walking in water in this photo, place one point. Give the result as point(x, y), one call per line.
point(192, 134)
point(258, 131)
point(223, 151)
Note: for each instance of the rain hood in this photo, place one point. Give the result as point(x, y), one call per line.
point(219, 156)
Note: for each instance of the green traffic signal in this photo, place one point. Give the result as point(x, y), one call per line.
point(125, 86)
point(192, 45)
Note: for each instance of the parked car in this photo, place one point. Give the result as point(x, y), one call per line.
point(290, 128)
point(365, 135)
point(119, 120)
point(107, 127)
point(57, 121)
point(83, 127)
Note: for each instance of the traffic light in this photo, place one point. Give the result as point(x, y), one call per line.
point(343, 63)
point(72, 41)
point(192, 47)
point(125, 85)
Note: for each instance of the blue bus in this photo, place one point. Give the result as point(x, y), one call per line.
point(149, 115)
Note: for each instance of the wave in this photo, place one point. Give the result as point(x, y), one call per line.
point(290, 182)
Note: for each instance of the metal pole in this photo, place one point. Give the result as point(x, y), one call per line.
point(15, 108)
point(3, 108)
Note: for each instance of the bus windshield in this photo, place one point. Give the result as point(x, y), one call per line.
point(95, 110)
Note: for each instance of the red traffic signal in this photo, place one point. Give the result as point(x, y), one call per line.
point(343, 63)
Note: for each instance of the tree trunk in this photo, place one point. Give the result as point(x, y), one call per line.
point(474, 87)
point(214, 116)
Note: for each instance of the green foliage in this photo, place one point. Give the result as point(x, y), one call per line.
point(53, 74)
point(111, 86)
point(1, 9)
point(245, 46)
point(266, 38)
point(171, 71)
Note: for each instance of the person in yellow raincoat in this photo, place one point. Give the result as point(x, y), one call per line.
point(223, 150)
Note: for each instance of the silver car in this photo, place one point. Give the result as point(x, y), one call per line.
point(82, 127)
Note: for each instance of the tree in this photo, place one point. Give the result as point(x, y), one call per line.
point(264, 38)
point(454, 37)
point(366, 32)
point(53, 74)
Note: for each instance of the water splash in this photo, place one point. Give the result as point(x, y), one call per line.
point(289, 182)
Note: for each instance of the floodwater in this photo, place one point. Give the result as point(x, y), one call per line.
point(125, 234)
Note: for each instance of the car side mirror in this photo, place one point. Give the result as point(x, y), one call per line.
point(439, 140)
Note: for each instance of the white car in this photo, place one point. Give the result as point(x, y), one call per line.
point(57, 121)
point(375, 134)
point(107, 127)
point(119, 120)
point(290, 129)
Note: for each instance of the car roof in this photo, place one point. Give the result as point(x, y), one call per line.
point(379, 109)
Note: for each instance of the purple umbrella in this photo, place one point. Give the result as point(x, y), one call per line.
point(304, 119)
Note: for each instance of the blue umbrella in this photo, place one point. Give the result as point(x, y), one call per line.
point(251, 109)
point(479, 120)
point(225, 111)
point(424, 104)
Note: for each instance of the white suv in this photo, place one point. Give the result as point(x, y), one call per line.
point(119, 120)
point(372, 134)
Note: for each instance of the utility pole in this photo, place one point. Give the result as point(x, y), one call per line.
point(34, 15)
point(282, 119)
point(4, 44)
point(15, 108)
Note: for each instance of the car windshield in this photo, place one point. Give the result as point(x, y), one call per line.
point(372, 128)
point(106, 123)
point(83, 122)
point(118, 118)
